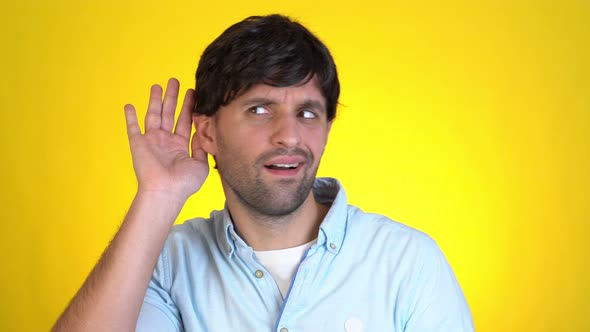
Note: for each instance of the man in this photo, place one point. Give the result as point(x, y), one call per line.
point(287, 253)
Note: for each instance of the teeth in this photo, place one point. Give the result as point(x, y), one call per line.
point(285, 165)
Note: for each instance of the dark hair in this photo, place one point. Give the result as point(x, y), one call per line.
point(272, 50)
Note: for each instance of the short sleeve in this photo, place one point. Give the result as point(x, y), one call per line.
point(158, 311)
point(438, 303)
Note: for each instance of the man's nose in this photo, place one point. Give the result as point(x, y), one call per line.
point(286, 131)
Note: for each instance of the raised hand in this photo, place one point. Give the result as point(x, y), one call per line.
point(161, 157)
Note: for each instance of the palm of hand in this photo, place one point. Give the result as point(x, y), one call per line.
point(161, 158)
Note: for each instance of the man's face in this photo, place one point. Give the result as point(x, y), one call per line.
point(268, 143)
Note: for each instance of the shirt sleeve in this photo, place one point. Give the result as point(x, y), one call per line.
point(158, 311)
point(438, 303)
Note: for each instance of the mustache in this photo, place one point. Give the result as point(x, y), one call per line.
point(285, 152)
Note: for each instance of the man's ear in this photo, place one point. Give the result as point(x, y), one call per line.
point(205, 133)
point(330, 125)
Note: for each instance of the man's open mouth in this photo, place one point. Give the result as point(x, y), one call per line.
point(282, 166)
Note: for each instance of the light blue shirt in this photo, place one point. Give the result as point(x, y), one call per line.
point(366, 273)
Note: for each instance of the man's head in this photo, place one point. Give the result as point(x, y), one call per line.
point(271, 50)
point(266, 95)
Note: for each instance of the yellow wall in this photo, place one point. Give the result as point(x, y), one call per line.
point(469, 121)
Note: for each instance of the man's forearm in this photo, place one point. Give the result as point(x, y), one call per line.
point(111, 297)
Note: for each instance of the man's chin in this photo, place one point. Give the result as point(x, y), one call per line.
point(283, 202)
point(276, 209)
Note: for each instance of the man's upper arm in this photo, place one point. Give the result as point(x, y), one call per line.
point(153, 319)
point(159, 312)
point(438, 303)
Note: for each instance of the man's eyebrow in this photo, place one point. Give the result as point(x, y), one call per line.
point(313, 104)
point(307, 103)
point(259, 101)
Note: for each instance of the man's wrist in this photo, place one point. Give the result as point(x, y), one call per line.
point(160, 198)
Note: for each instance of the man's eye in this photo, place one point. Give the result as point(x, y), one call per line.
point(308, 114)
point(259, 110)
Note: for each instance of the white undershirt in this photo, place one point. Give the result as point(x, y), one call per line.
point(283, 263)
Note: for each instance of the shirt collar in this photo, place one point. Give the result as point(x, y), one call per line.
point(329, 191)
point(326, 191)
point(226, 233)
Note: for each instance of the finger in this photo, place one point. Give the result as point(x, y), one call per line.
point(197, 151)
point(131, 118)
point(153, 118)
point(169, 105)
point(184, 123)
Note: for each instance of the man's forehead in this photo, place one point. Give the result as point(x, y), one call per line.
point(308, 92)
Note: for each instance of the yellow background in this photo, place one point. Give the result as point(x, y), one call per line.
point(468, 120)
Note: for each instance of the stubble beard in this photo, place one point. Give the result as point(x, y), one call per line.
point(265, 200)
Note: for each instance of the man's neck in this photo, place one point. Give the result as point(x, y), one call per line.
point(273, 233)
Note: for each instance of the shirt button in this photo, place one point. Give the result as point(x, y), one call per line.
point(332, 245)
point(259, 275)
point(284, 330)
